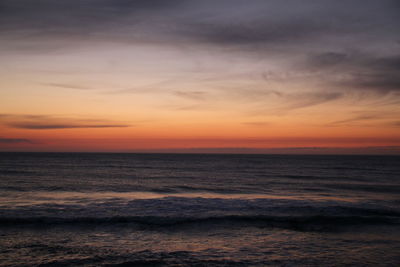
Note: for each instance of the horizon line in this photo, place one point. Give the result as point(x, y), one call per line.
point(370, 150)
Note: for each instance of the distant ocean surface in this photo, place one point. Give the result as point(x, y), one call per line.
point(94, 209)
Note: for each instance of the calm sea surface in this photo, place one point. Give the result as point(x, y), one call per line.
point(89, 209)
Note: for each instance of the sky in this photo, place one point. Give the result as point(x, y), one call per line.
point(226, 76)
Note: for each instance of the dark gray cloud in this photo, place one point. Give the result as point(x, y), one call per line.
point(355, 60)
point(292, 25)
point(49, 126)
point(377, 81)
point(71, 17)
point(219, 22)
point(327, 60)
point(42, 122)
point(255, 33)
point(45, 26)
point(15, 141)
point(359, 70)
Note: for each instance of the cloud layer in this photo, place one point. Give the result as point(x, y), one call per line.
point(15, 141)
point(45, 122)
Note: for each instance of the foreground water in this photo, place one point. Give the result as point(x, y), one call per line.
point(198, 210)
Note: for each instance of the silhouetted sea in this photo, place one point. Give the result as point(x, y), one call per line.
point(93, 209)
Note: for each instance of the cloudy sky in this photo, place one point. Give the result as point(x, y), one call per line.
point(120, 75)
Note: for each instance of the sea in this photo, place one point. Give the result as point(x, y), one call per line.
point(110, 209)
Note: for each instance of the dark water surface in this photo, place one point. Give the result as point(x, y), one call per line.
point(88, 209)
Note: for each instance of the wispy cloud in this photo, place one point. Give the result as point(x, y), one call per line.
point(287, 102)
point(356, 119)
point(395, 123)
point(303, 100)
point(68, 86)
point(193, 95)
point(257, 123)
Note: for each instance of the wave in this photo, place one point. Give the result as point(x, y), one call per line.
point(110, 209)
point(303, 223)
point(16, 172)
point(376, 188)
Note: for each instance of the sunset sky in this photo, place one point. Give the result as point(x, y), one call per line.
point(210, 76)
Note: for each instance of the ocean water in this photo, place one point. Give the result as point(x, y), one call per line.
point(93, 209)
